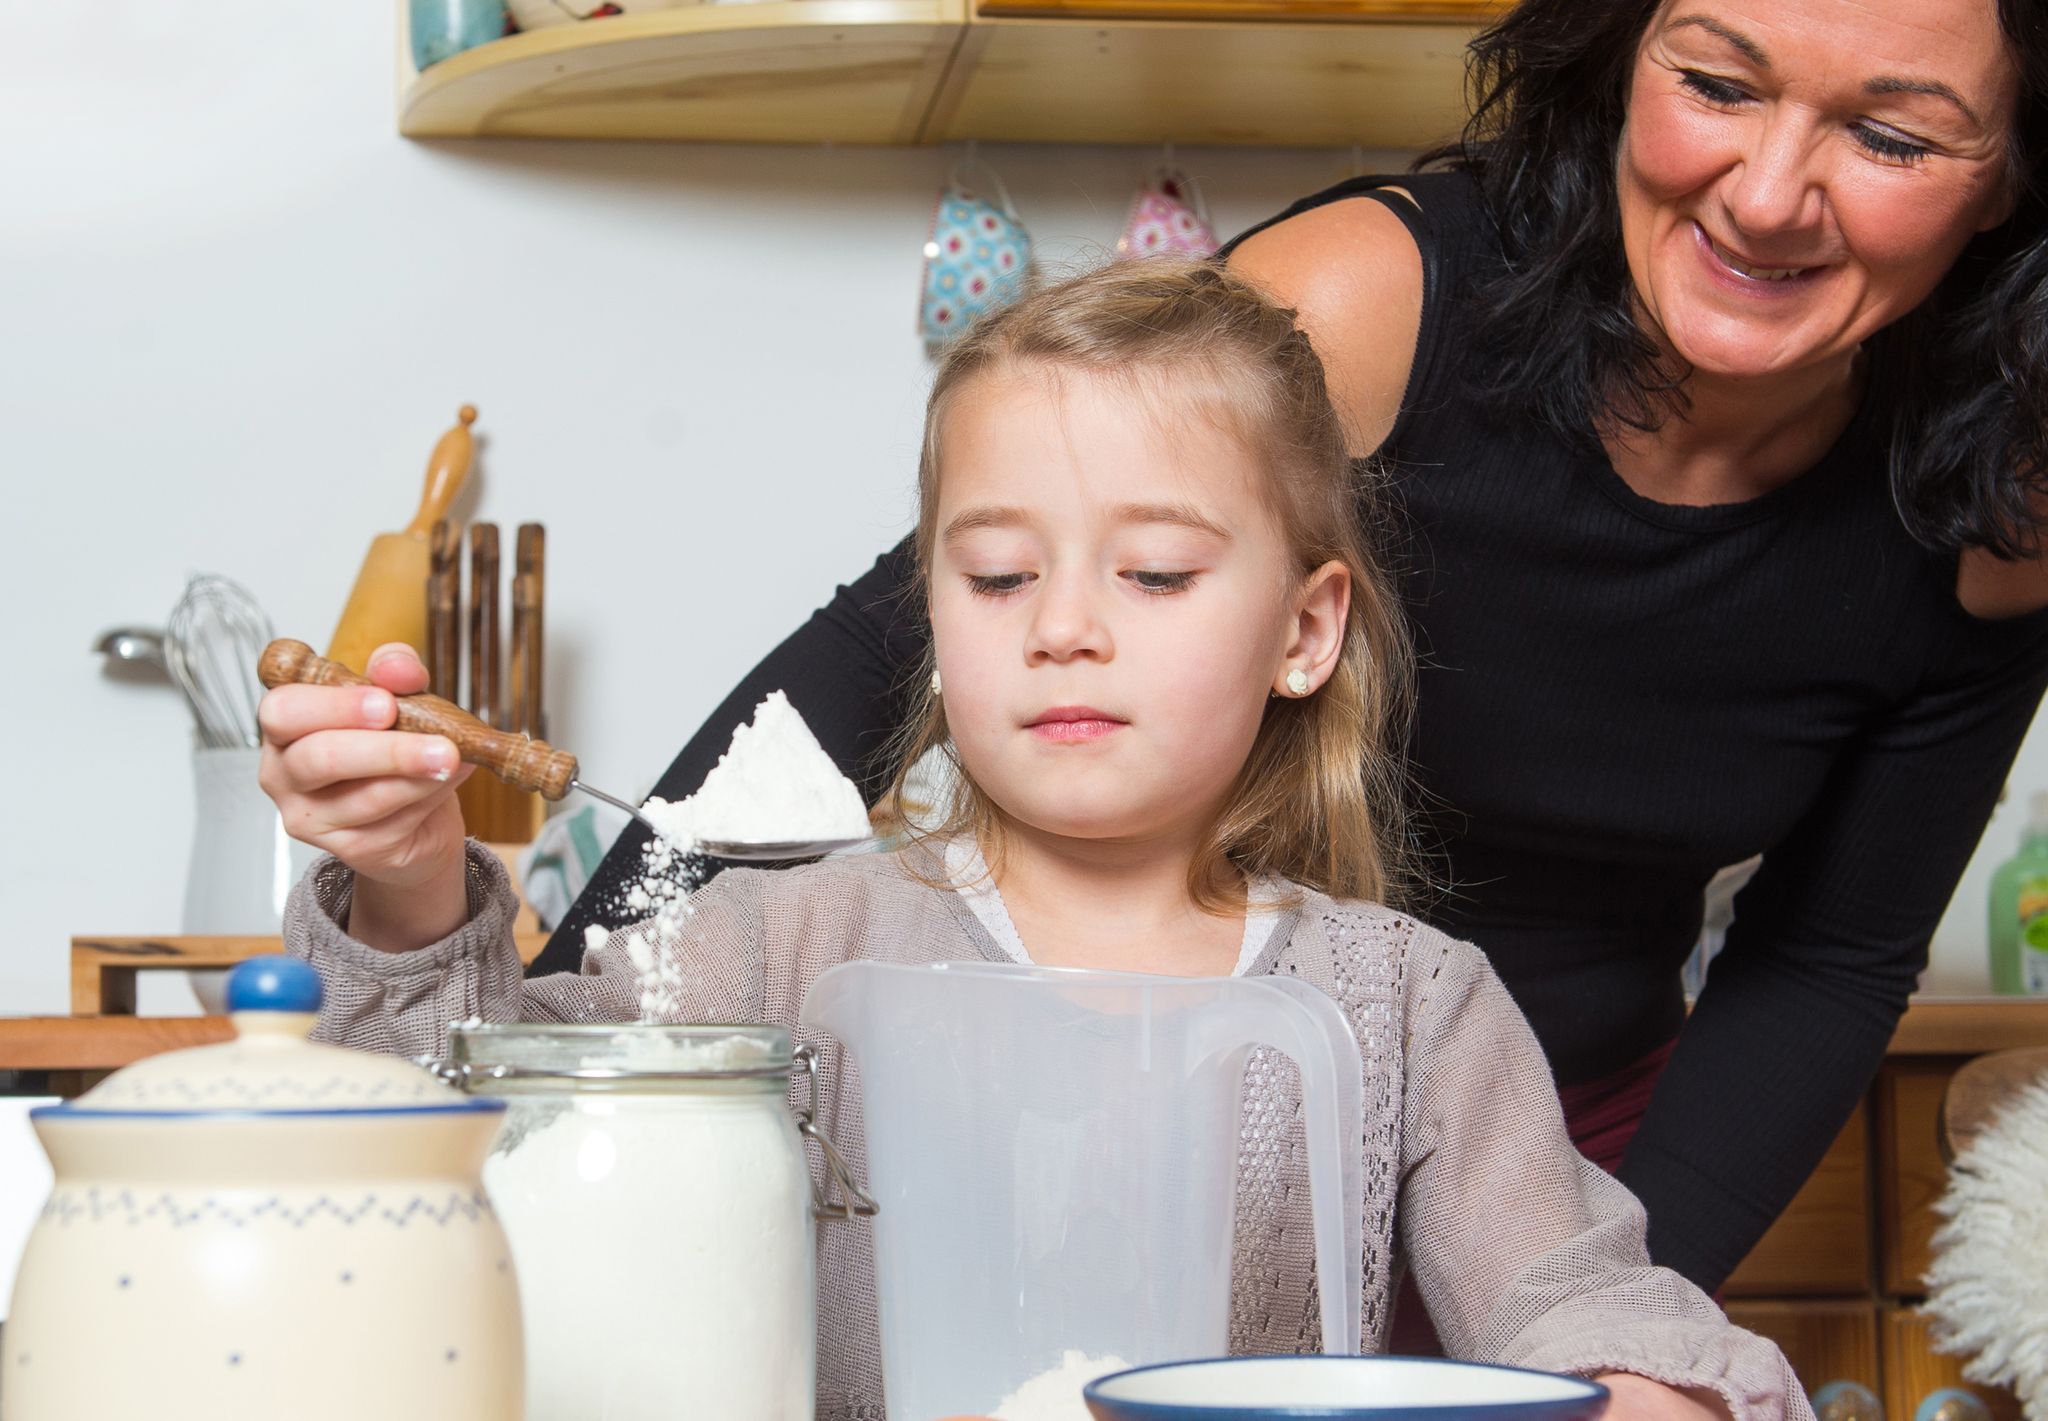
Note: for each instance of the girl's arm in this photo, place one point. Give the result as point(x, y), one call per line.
point(404, 1002)
point(1526, 1253)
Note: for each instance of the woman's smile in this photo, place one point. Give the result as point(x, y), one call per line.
point(1733, 272)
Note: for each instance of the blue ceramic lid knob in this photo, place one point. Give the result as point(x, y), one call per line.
point(274, 984)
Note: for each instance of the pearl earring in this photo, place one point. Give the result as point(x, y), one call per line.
point(1297, 683)
point(935, 683)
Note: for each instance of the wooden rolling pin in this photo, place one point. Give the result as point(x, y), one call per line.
point(388, 601)
point(531, 765)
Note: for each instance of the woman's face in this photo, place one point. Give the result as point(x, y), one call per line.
point(1796, 174)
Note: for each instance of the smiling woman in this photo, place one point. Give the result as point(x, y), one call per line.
point(1709, 370)
point(1813, 200)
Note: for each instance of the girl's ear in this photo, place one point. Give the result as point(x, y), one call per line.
point(1322, 609)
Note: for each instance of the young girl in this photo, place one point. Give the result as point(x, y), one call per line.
point(1170, 678)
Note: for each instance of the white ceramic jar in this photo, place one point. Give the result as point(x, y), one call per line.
point(653, 1182)
point(266, 1228)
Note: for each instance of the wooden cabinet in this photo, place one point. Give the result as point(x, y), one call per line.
point(1385, 73)
point(1915, 1374)
point(1832, 1341)
point(1823, 1244)
point(1837, 1281)
point(1910, 1172)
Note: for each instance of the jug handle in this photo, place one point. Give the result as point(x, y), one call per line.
point(1314, 1033)
point(854, 1201)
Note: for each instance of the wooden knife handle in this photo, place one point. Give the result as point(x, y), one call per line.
point(532, 765)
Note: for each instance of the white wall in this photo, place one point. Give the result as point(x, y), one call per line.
point(236, 309)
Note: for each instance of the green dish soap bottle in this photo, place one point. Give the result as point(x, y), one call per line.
point(2019, 911)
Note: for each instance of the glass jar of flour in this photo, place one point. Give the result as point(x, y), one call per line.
point(652, 1181)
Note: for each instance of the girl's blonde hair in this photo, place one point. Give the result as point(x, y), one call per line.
point(1320, 798)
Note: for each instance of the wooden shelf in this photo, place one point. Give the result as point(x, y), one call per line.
point(1255, 11)
point(785, 71)
point(1385, 73)
point(1385, 85)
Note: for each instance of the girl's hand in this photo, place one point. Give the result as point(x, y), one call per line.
point(1640, 1399)
point(382, 801)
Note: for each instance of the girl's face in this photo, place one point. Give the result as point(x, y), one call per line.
point(1796, 174)
point(1111, 604)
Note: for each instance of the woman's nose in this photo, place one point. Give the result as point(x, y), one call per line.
point(1777, 188)
point(1067, 622)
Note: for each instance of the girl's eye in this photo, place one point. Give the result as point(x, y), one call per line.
point(1162, 582)
point(1000, 584)
point(1888, 146)
point(1714, 91)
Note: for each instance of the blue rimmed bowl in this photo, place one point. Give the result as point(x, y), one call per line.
point(1341, 1389)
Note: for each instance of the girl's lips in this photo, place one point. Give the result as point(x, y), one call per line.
point(1073, 724)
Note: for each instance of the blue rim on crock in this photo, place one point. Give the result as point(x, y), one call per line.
point(72, 1111)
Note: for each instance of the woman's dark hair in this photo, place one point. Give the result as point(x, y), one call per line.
point(1965, 376)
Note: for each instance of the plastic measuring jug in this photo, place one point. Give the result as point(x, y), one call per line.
point(1054, 1154)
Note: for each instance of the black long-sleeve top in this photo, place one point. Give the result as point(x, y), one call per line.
point(1618, 698)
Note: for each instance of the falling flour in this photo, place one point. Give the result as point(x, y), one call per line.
point(1055, 1395)
point(774, 784)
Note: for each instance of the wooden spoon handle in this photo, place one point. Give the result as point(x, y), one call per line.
point(532, 765)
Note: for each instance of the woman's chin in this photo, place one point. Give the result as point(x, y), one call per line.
point(1725, 348)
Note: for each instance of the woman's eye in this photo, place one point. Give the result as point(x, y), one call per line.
point(1162, 581)
point(1714, 91)
point(1888, 146)
point(1000, 584)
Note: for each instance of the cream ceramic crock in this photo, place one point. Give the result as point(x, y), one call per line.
point(266, 1228)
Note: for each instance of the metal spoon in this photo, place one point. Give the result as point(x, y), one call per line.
point(519, 761)
point(135, 646)
point(774, 853)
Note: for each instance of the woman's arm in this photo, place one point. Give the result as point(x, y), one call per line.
point(1526, 1253)
point(1828, 942)
point(1353, 275)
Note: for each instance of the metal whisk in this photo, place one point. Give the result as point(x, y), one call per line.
point(215, 634)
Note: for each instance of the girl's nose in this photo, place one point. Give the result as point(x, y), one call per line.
point(1777, 189)
point(1067, 622)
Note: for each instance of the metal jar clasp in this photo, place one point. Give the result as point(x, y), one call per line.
point(854, 1201)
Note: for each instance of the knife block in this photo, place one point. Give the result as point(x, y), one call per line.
point(491, 809)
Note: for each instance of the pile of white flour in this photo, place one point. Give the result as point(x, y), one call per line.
point(1055, 1395)
point(774, 785)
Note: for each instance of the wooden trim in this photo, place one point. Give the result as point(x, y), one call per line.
point(86, 1043)
point(1970, 1026)
point(1250, 11)
point(103, 968)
